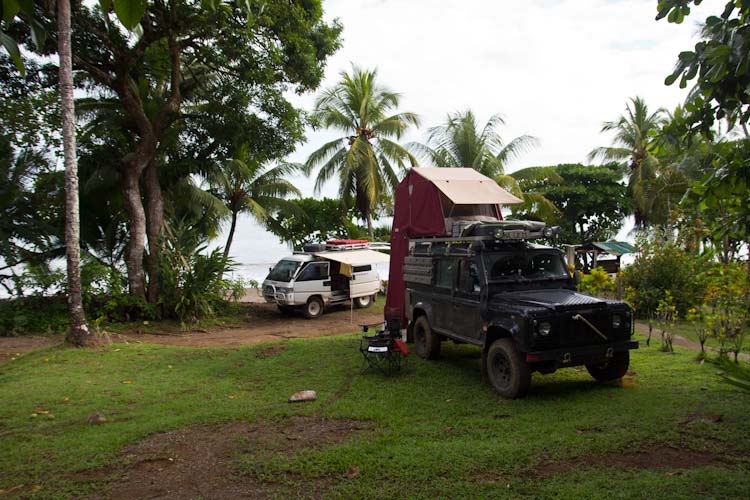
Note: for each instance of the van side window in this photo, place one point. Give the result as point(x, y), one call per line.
point(444, 272)
point(361, 269)
point(314, 271)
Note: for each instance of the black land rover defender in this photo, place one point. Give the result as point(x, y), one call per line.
point(493, 288)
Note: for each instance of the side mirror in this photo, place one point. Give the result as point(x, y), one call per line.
point(269, 270)
point(577, 278)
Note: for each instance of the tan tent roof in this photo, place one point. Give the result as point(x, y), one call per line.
point(466, 186)
point(355, 257)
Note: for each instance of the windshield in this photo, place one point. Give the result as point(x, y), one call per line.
point(532, 266)
point(284, 270)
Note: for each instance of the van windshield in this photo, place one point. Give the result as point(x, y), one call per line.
point(284, 270)
point(525, 266)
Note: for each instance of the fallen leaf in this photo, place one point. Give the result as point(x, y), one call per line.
point(169, 366)
point(353, 471)
point(127, 382)
point(46, 360)
point(66, 399)
point(231, 397)
point(34, 415)
point(116, 350)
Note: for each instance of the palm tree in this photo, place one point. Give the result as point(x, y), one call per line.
point(245, 185)
point(79, 333)
point(635, 145)
point(459, 142)
point(365, 157)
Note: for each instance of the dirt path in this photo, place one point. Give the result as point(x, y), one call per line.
point(259, 323)
point(642, 328)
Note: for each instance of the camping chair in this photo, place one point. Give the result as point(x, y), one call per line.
point(384, 351)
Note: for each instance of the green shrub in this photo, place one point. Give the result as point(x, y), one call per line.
point(33, 315)
point(660, 267)
point(597, 283)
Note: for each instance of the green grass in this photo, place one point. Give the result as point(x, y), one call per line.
point(438, 432)
point(686, 329)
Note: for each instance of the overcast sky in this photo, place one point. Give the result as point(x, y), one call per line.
point(555, 69)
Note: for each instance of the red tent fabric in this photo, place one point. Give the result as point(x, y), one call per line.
point(418, 213)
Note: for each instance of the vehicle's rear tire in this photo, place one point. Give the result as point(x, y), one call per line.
point(363, 302)
point(313, 308)
point(612, 369)
point(507, 371)
point(426, 342)
point(286, 310)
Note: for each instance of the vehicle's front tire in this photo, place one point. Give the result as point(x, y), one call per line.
point(612, 369)
point(313, 308)
point(363, 302)
point(507, 371)
point(426, 342)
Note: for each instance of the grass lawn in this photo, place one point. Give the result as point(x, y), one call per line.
point(686, 329)
point(433, 431)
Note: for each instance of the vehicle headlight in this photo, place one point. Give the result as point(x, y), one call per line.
point(616, 321)
point(544, 327)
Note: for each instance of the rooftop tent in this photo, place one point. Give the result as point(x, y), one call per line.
point(427, 201)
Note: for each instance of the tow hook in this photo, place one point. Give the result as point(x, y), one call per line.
point(610, 353)
point(566, 358)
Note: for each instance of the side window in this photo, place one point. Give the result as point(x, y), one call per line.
point(361, 269)
point(314, 271)
point(444, 272)
point(469, 277)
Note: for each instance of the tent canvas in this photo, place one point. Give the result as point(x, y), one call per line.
point(420, 211)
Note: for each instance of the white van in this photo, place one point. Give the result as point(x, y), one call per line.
point(312, 280)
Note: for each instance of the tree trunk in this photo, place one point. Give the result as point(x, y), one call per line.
point(154, 225)
point(230, 237)
point(137, 229)
point(370, 231)
point(78, 334)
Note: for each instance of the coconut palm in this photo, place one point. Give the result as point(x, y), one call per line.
point(459, 142)
point(635, 145)
point(364, 159)
point(247, 186)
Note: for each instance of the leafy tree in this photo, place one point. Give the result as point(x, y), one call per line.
point(246, 186)
point(309, 220)
point(661, 267)
point(634, 145)
point(364, 159)
point(592, 201)
point(460, 142)
point(718, 64)
point(190, 59)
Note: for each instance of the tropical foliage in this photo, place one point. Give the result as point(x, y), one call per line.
point(635, 146)
point(366, 160)
point(460, 142)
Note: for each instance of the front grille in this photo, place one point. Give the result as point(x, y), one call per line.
point(577, 333)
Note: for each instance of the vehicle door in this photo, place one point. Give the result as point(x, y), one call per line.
point(364, 281)
point(466, 317)
point(313, 279)
point(442, 309)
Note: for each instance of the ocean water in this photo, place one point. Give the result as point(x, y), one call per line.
point(254, 250)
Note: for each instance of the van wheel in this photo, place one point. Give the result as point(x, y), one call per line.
point(363, 302)
point(612, 369)
point(314, 308)
point(426, 342)
point(509, 375)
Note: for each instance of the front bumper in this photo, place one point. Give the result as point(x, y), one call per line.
point(582, 355)
point(273, 296)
